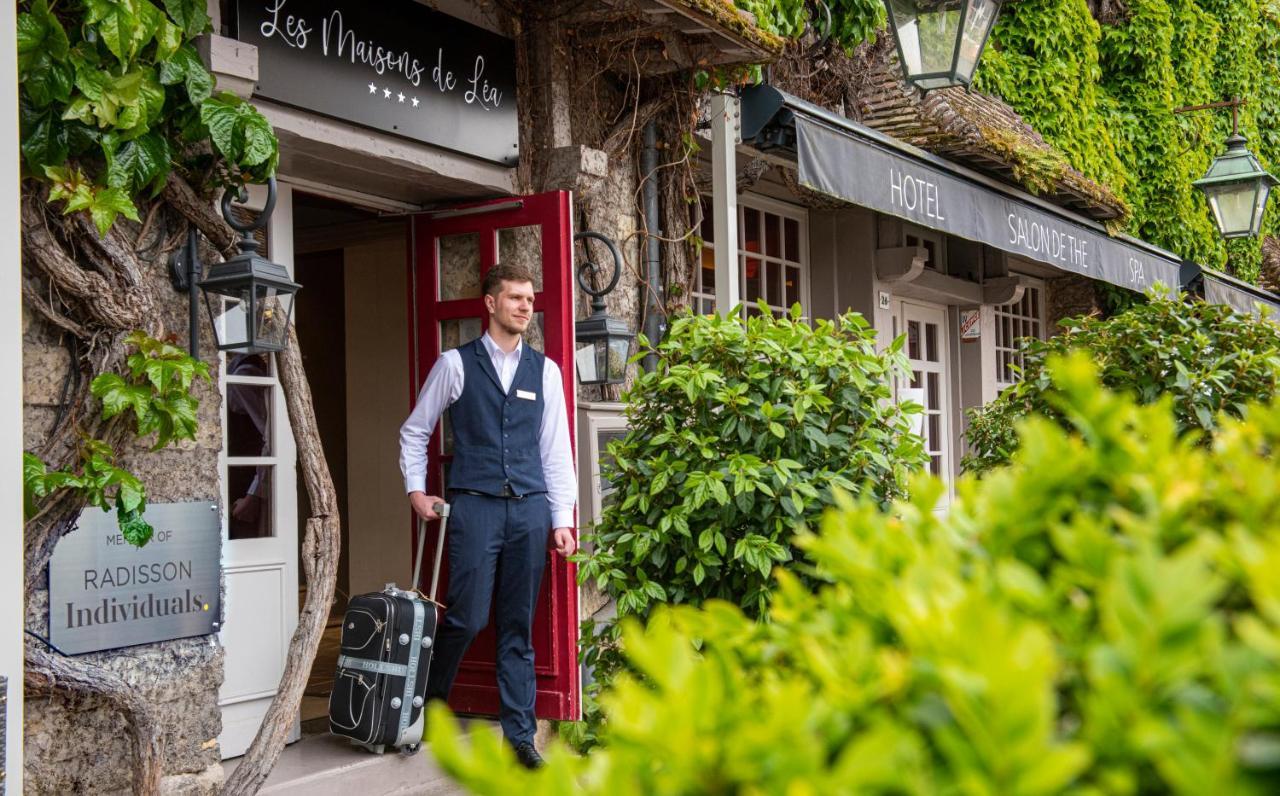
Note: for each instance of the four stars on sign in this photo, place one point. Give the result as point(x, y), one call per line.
point(400, 96)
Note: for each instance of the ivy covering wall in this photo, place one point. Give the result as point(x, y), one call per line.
point(1104, 94)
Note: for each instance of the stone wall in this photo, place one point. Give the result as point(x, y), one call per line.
point(77, 746)
point(1068, 297)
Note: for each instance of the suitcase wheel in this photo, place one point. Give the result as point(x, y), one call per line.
point(411, 749)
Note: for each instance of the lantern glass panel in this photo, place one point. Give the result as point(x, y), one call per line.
point(977, 24)
point(271, 316)
point(228, 314)
point(927, 32)
point(619, 348)
point(1234, 205)
point(588, 363)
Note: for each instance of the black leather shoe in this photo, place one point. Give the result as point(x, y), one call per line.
point(528, 756)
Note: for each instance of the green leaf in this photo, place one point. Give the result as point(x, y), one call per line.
point(168, 39)
point(133, 527)
point(190, 15)
point(45, 142)
point(33, 484)
point(136, 163)
point(107, 205)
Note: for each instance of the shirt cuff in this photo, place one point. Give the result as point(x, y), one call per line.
point(415, 484)
point(562, 519)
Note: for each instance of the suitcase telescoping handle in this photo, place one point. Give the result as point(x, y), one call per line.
point(443, 510)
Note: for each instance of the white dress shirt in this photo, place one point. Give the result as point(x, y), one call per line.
point(444, 386)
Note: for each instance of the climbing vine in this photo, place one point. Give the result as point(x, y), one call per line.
point(114, 95)
point(1105, 94)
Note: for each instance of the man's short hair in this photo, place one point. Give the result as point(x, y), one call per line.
point(504, 273)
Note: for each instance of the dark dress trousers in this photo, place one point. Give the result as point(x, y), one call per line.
point(498, 530)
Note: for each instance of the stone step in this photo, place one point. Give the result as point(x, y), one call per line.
point(325, 765)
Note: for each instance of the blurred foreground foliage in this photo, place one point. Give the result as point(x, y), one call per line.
point(1102, 615)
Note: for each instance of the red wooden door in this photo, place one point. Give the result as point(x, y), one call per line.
point(451, 252)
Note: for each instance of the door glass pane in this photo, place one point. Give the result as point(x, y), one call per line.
point(535, 334)
point(459, 257)
point(913, 339)
point(454, 333)
point(249, 493)
point(522, 246)
point(934, 394)
point(931, 342)
point(248, 420)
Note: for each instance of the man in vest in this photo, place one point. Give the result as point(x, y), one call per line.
point(511, 483)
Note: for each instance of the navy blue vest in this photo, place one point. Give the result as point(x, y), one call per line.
point(495, 434)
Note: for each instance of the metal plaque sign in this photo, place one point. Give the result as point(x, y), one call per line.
point(105, 593)
point(859, 171)
point(970, 325)
point(394, 65)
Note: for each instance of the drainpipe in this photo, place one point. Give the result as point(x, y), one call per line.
point(655, 324)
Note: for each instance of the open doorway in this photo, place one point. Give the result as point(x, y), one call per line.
point(352, 326)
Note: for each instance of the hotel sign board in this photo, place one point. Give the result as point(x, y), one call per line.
point(836, 163)
point(105, 593)
point(395, 65)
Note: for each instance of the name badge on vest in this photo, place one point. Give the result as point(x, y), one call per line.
point(525, 394)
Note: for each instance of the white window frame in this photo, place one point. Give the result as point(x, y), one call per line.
point(1006, 350)
point(705, 302)
point(938, 262)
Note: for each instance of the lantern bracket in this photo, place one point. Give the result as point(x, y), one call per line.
point(590, 266)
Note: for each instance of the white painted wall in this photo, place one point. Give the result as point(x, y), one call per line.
point(10, 405)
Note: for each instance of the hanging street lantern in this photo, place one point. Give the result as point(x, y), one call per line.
point(1236, 185)
point(1237, 189)
point(604, 342)
point(249, 298)
point(941, 41)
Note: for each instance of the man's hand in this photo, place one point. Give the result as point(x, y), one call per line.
point(565, 543)
point(424, 505)
point(246, 509)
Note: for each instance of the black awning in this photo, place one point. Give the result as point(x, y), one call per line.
point(851, 162)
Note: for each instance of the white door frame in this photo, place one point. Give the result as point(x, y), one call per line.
point(907, 310)
point(267, 568)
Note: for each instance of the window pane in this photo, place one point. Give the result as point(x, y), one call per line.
point(248, 420)
point(793, 285)
point(459, 259)
point(774, 286)
point(931, 342)
point(751, 230)
point(793, 239)
point(755, 269)
point(522, 246)
point(934, 394)
point(708, 270)
point(708, 228)
point(249, 492)
point(913, 339)
point(240, 364)
point(772, 235)
point(935, 432)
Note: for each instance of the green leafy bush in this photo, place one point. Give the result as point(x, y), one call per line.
point(1209, 359)
point(157, 393)
point(1102, 616)
point(740, 434)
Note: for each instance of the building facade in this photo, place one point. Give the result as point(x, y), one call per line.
point(422, 142)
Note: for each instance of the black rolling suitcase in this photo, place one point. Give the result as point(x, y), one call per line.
point(387, 637)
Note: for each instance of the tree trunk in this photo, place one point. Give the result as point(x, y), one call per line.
point(320, 548)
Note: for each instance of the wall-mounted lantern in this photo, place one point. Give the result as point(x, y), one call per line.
point(1236, 185)
point(604, 342)
point(249, 298)
point(940, 41)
